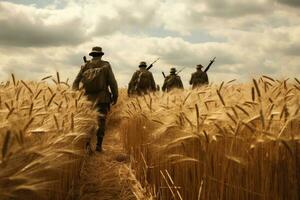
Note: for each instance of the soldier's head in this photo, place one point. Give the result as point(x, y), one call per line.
point(143, 64)
point(96, 52)
point(173, 70)
point(199, 67)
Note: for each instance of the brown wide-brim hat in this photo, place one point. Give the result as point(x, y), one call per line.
point(199, 66)
point(173, 70)
point(143, 64)
point(96, 51)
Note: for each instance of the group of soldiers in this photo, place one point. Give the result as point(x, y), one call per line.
point(101, 88)
point(142, 81)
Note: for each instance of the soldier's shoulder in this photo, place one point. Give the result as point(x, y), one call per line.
point(148, 72)
point(104, 62)
point(86, 65)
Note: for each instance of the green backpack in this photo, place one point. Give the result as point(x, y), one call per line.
point(91, 77)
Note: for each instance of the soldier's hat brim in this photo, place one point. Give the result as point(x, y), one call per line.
point(173, 70)
point(96, 51)
point(93, 53)
point(143, 64)
point(199, 66)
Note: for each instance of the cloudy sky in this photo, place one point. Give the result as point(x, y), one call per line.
point(249, 38)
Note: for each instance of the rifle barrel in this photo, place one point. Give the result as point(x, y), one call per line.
point(151, 65)
point(180, 70)
point(210, 63)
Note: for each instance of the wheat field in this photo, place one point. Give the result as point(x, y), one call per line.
point(44, 128)
point(227, 141)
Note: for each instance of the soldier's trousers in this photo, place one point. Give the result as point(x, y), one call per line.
point(103, 109)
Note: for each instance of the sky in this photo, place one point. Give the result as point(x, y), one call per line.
point(249, 38)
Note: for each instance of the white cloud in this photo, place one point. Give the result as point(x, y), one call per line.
point(258, 37)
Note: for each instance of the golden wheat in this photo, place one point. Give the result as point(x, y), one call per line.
point(242, 143)
point(42, 139)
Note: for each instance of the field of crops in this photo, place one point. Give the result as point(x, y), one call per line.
point(43, 132)
point(228, 141)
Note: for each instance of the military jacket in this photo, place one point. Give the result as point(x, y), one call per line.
point(105, 82)
point(199, 78)
point(171, 82)
point(142, 81)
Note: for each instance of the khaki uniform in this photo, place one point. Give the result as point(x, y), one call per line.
point(142, 82)
point(199, 78)
point(171, 82)
point(98, 90)
point(105, 81)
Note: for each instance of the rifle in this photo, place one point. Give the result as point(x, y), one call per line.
point(163, 74)
point(180, 70)
point(84, 59)
point(211, 62)
point(151, 65)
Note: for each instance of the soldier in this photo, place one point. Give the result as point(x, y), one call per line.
point(97, 78)
point(142, 81)
point(199, 77)
point(172, 81)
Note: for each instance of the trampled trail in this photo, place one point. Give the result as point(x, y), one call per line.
point(107, 175)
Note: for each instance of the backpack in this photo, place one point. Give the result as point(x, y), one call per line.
point(172, 81)
point(201, 78)
point(143, 82)
point(91, 76)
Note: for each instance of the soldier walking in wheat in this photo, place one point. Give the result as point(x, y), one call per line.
point(98, 80)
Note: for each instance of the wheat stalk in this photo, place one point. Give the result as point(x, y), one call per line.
point(269, 78)
point(13, 79)
point(50, 100)
point(257, 88)
point(231, 81)
point(28, 124)
point(58, 77)
point(45, 78)
point(5, 146)
point(221, 98)
point(221, 86)
point(28, 88)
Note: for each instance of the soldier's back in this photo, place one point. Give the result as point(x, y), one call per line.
point(145, 81)
point(172, 81)
point(199, 78)
point(96, 78)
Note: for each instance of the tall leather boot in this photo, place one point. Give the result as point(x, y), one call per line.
point(99, 144)
point(100, 134)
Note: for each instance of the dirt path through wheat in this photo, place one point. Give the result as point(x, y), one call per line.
point(107, 175)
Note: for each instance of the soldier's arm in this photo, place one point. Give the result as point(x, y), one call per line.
point(206, 79)
point(132, 81)
point(77, 79)
point(153, 85)
point(180, 83)
point(112, 83)
point(164, 87)
point(192, 79)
